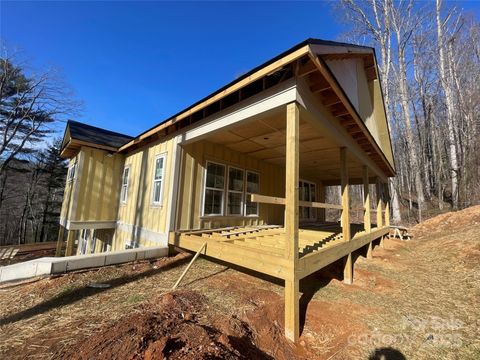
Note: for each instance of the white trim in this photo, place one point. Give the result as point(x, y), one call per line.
point(162, 155)
point(272, 98)
point(175, 178)
point(88, 224)
point(76, 186)
point(204, 187)
point(142, 234)
point(126, 167)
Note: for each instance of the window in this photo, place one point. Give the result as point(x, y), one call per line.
point(307, 191)
point(235, 191)
point(253, 181)
point(229, 189)
point(71, 171)
point(124, 192)
point(214, 189)
point(158, 174)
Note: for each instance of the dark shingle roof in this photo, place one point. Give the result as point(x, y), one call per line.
point(95, 135)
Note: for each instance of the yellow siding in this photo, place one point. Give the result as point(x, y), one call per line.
point(99, 183)
point(139, 220)
point(67, 194)
point(189, 210)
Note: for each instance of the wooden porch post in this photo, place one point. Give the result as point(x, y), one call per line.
point(348, 266)
point(292, 310)
point(58, 250)
point(387, 204)
point(70, 243)
point(366, 205)
point(379, 203)
point(366, 201)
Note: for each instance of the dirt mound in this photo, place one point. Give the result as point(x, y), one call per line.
point(171, 327)
point(448, 221)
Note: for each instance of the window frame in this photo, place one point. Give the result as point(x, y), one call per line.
point(228, 191)
point(249, 193)
point(72, 167)
point(159, 203)
point(127, 185)
point(312, 211)
point(205, 188)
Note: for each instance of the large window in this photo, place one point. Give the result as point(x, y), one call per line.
point(234, 192)
point(214, 189)
point(307, 191)
point(124, 192)
point(158, 176)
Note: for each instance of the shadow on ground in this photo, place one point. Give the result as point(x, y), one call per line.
point(75, 295)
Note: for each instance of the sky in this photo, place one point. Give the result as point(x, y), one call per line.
point(134, 64)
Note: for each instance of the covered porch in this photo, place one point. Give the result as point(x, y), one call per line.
point(295, 137)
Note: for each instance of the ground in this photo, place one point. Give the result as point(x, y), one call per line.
point(418, 299)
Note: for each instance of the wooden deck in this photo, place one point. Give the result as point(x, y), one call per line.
point(263, 248)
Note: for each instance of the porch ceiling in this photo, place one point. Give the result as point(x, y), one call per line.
point(263, 137)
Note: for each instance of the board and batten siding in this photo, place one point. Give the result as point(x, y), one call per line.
point(140, 222)
point(93, 193)
point(191, 189)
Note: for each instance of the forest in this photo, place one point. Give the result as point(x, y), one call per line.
point(429, 65)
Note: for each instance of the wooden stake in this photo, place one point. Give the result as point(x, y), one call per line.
point(292, 306)
point(189, 266)
point(366, 201)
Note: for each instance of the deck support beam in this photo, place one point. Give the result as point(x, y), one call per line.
point(70, 243)
point(378, 188)
point(387, 204)
point(292, 295)
point(348, 262)
point(366, 201)
point(61, 232)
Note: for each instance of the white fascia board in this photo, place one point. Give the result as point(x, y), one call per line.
point(279, 95)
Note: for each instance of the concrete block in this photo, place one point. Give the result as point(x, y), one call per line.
point(140, 254)
point(84, 261)
point(156, 252)
point(119, 257)
point(19, 271)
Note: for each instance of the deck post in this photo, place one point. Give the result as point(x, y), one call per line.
point(70, 242)
point(348, 265)
point(387, 204)
point(58, 250)
point(292, 295)
point(379, 203)
point(366, 201)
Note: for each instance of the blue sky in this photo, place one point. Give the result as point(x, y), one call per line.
point(133, 64)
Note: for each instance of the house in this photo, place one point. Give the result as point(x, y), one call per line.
point(244, 171)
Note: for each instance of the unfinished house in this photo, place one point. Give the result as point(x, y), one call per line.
point(242, 173)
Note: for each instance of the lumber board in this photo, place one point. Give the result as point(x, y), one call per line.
point(264, 199)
